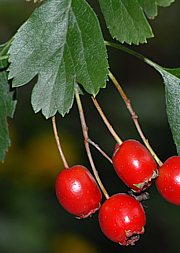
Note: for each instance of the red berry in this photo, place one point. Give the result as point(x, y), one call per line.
point(77, 191)
point(168, 181)
point(134, 165)
point(122, 219)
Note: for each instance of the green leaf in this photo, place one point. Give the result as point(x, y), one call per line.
point(7, 107)
point(174, 71)
point(1, 47)
point(61, 43)
point(151, 7)
point(4, 48)
point(171, 79)
point(126, 19)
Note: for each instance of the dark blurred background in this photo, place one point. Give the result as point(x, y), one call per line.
point(31, 220)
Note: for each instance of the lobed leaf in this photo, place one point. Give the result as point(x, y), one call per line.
point(171, 79)
point(126, 19)
point(7, 107)
point(61, 43)
point(151, 7)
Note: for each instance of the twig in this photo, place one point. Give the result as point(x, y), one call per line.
point(58, 143)
point(86, 143)
point(134, 117)
point(110, 128)
point(125, 49)
point(100, 150)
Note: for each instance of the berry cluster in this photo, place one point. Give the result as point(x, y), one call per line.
point(121, 217)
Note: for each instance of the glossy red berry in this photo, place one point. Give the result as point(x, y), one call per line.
point(134, 165)
point(77, 191)
point(122, 219)
point(168, 181)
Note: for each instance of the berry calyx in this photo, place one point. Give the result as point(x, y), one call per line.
point(168, 181)
point(77, 191)
point(122, 219)
point(134, 165)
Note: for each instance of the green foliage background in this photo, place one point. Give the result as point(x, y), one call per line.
point(31, 220)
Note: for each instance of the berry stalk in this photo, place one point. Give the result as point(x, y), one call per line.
point(134, 117)
point(86, 143)
point(110, 128)
point(66, 166)
point(100, 150)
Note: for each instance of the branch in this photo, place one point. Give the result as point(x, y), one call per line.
point(126, 50)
